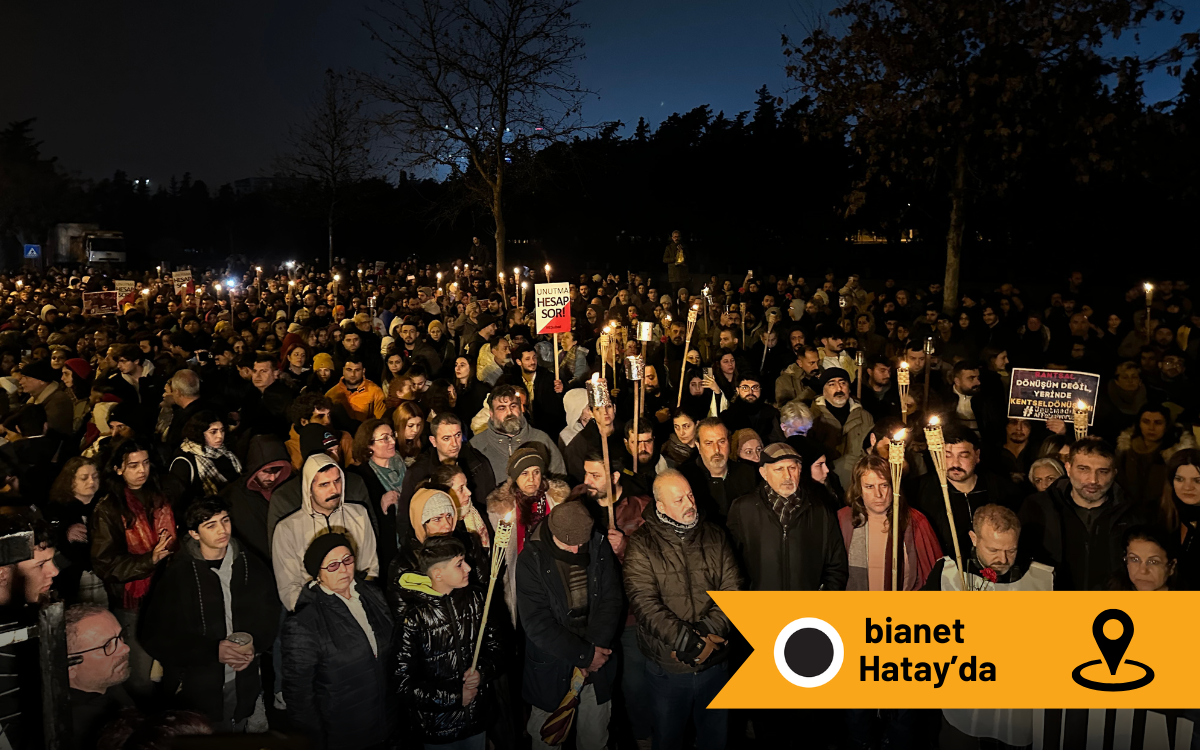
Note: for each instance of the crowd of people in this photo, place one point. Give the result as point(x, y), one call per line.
point(275, 498)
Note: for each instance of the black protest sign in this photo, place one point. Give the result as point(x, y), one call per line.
point(1051, 394)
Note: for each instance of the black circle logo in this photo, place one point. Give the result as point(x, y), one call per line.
point(808, 652)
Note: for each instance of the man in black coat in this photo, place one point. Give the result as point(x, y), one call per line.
point(787, 540)
point(211, 590)
point(1077, 525)
point(969, 488)
point(715, 480)
point(751, 411)
point(545, 393)
point(570, 601)
point(249, 496)
point(446, 446)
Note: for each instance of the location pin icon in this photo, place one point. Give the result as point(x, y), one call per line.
point(1112, 649)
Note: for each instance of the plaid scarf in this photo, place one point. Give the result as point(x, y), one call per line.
point(784, 507)
point(210, 475)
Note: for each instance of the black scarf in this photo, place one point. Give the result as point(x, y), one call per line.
point(1189, 514)
point(840, 413)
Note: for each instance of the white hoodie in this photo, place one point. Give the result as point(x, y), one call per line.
point(295, 532)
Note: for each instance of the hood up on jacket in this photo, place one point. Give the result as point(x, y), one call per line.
point(504, 498)
point(266, 450)
point(312, 465)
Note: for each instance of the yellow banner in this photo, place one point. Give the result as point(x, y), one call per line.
point(965, 649)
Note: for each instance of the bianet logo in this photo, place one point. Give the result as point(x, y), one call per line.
point(808, 652)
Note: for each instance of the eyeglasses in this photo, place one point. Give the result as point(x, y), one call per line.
point(1134, 561)
point(388, 438)
point(750, 388)
point(109, 647)
point(333, 566)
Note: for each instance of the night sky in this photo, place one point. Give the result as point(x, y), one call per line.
point(162, 88)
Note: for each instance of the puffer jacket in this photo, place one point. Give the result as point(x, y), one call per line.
point(497, 447)
point(667, 580)
point(435, 645)
point(335, 687)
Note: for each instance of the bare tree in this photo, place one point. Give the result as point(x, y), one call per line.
point(475, 86)
point(331, 149)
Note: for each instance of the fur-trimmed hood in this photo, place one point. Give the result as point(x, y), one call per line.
point(504, 498)
point(1183, 439)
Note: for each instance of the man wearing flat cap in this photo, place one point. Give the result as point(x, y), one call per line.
point(570, 601)
point(840, 422)
point(787, 539)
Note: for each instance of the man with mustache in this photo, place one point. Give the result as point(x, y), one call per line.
point(992, 543)
point(1076, 525)
point(97, 664)
point(840, 422)
point(788, 541)
point(750, 410)
point(969, 488)
point(671, 563)
point(322, 511)
point(715, 480)
point(507, 430)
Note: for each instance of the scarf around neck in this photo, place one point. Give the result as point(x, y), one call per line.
point(680, 529)
point(206, 457)
point(140, 538)
point(392, 475)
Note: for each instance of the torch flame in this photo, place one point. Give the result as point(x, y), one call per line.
point(1081, 406)
point(904, 365)
point(1147, 286)
point(934, 421)
point(899, 436)
point(595, 378)
point(508, 517)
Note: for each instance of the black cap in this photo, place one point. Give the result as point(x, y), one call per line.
point(315, 438)
point(40, 369)
point(319, 548)
point(834, 372)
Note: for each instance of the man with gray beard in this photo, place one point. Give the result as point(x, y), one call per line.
point(840, 422)
point(507, 430)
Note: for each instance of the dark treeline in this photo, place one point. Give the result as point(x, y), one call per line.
point(747, 189)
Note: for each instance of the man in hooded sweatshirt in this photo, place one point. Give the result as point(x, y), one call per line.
point(316, 440)
point(323, 510)
point(507, 431)
point(212, 589)
point(249, 497)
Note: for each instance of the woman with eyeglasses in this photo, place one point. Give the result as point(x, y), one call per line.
point(1151, 561)
point(337, 650)
point(382, 470)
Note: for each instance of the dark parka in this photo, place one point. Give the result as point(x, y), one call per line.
point(247, 507)
point(336, 688)
point(436, 643)
point(667, 580)
point(183, 624)
point(552, 651)
point(808, 555)
point(1053, 534)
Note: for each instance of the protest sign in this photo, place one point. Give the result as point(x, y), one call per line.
point(99, 303)
point(552, 303)
point(181, 280)
point(1050, 394)
point(124, 287)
